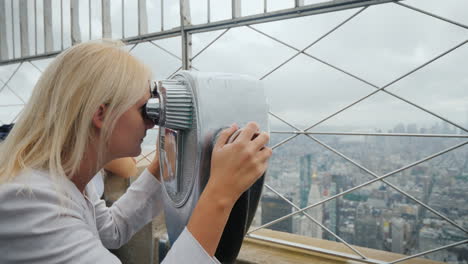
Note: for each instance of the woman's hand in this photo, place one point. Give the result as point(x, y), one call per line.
point(236, 166)
point(154, 167)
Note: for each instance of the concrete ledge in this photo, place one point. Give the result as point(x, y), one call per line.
point(259, 251)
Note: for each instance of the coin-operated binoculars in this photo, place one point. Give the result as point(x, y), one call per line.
point(191, 109)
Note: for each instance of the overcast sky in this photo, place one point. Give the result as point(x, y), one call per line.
point(379, 45)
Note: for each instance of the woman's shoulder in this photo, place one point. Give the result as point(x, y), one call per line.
point(34, 215)
point(28, 180)
point(35, 188)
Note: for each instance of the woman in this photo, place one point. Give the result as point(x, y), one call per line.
point(85, 111)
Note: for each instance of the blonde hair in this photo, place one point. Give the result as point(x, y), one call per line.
point(55, 127)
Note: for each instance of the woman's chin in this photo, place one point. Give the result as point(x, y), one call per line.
point(137, 152)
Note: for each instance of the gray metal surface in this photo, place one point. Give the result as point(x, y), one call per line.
point(219, 101)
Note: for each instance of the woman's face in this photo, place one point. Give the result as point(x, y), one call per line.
point(130, 130)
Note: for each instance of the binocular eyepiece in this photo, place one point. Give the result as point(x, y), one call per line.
point(170, 105)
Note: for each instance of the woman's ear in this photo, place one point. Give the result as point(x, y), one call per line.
point(98, 117)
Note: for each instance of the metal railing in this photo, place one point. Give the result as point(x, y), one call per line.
point(186, 30)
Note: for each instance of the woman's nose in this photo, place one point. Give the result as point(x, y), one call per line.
point(149, 123)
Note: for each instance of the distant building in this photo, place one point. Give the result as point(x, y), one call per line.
point(333, 212)
point(399, 128)
point(367, 229)
point(398, 235)
point(311, 228)
point(301, 225)
point(429, 238)
point(338, 185)
point(305, 179)
point(274, 207)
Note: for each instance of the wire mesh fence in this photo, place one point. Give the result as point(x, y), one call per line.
point(368, 103)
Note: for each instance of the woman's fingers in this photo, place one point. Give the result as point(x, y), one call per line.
point(261, 140)
point(262, 161)
point(264, 154)
point(236, 165)
point(248, 132)
point(224, 136)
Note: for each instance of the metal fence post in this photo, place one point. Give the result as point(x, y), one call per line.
point(185, 20)
point(24, 27)
point(236, 9)
point(142, 18)
point(3, 31)
point(106, 19)
point(75, 22)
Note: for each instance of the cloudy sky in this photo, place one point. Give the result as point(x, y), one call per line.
point(379, 45)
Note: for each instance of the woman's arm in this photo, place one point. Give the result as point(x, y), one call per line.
point(138, 206)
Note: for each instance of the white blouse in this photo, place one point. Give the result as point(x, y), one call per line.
point(38, 225)
point(98, 182)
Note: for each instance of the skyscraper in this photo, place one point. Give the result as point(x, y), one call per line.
point(333, 210)
point(337, 185)
point(274, 207)
point(366, 228)
point(305, 179)
point(315, 212)
point(398, 231)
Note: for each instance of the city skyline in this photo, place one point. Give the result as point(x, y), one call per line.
point(392, 222)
